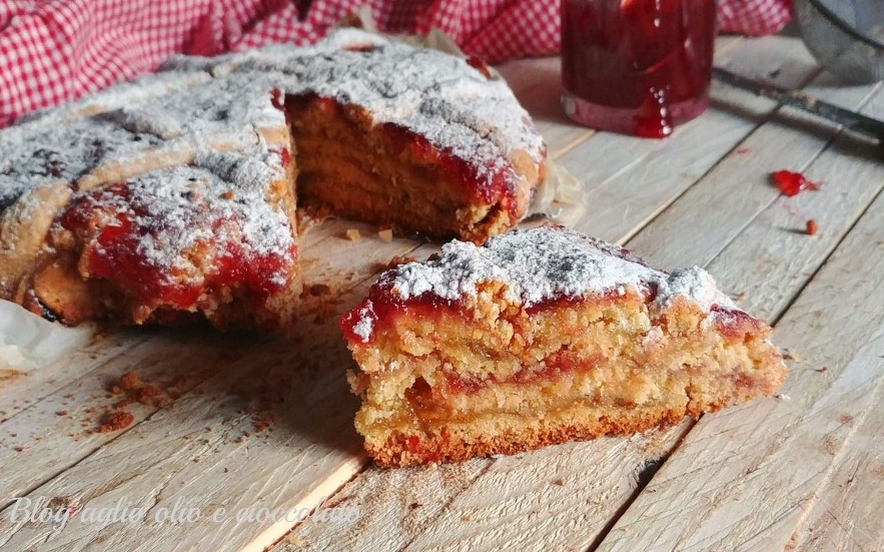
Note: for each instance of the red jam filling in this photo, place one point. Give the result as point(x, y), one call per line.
point(792, 183)
point(490, 183)
point(420, 451)
point(285, 157)
point(733, 324)
point(386, 306)
point(277, 99)
point(489, 189)
point(361, 48)
point(114, 237)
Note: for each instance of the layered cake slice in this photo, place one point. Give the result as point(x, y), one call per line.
point(542, 336)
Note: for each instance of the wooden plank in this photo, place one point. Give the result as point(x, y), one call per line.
point(851, 175)
point(205, 447)
point(55, 431)
point(743, 479)
point(532, 512)
point(201, 451)
point(19, 393)
point(534, 501)
point(537, 84)
point(628, 181)
point(845, 514)
point(739, 188)
point(395, 506)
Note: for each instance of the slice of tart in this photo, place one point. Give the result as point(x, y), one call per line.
point(543, 336)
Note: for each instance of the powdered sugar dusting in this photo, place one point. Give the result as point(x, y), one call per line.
point(176, 211)
point(226, 112)
point(365, 323)
point(436, 95)
point(696, 283)
point(546, 263)
point(34, 155)
point(224, 102)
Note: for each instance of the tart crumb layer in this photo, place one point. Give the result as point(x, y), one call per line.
point(542, 336)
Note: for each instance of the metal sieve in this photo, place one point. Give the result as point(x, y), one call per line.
point(845, 36)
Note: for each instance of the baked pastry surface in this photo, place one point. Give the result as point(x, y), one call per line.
point(542, 336)
point(357, 125)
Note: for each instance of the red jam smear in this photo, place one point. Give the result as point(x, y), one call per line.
point(361, 48)
point(490, 183)
point(639, 66)
point(386, 306)
point(555, 366)
point(277, 99)
point(733, 324)
point(420, 451)
point(412, 444)
point(496, 188)
point(112, 238)
point(792, 183)
point(285, 157)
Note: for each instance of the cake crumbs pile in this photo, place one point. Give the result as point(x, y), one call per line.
point(134, 391)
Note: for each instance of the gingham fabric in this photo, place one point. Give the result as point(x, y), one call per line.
point(52, 51)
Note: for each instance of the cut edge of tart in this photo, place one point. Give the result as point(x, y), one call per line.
point(543, 336)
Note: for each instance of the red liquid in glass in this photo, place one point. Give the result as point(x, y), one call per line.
point(637, 66)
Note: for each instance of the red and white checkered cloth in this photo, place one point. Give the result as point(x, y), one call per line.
point(53, 51)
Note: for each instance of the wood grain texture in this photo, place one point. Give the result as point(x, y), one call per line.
point(556, 498)
point(205, 448)
point(744, 479)
point(846, 512)
point(739, 188)
point(851, 175)
point(19, 393)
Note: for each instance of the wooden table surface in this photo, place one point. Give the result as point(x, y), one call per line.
point(266, 422)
